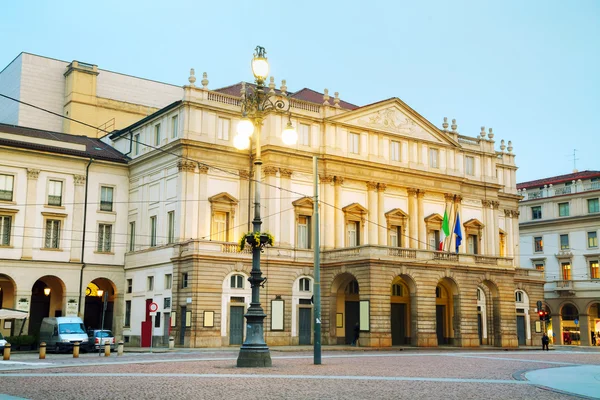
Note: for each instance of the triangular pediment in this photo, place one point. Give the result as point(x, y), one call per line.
point(473, 223)
point(434, 218)
point(303, 202)
point(355, 208)
point(223, 197)
point(396, 213)
point(394, 117)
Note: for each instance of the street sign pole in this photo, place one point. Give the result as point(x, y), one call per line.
point(317, 254)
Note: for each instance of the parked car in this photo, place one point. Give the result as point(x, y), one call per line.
point(98, 338)
point(2, 342)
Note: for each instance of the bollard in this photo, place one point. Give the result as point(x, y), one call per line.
point(107, 349)
point(76, 350)
point(120, 348)
point(42, 350)
point(171, 342)
point(6, 352)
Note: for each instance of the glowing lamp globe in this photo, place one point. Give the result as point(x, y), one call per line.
point(260, 67)
point(241, 142)
point(245, 128)
point(289, 135)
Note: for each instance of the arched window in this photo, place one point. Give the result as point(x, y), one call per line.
point(352, 287)
point(397, 290)
point(519, 296)
point(304, 285)
point(237, 282)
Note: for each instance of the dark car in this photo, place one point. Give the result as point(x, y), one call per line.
point(98, 338)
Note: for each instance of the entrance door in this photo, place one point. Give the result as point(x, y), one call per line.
point(480, 328)
point(236, 325)
point(521, 329)
point(182, 326)
point(146, 326)
point(440, 323)
point(398, 324)
point(352, 310)
point(305, 326)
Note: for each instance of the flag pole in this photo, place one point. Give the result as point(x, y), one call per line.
point(453, 223)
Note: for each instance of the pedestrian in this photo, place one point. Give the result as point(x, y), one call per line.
point(356, 334)
point(545, 341)
point(593, 338)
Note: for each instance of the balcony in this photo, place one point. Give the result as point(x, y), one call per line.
point(564, 288)
point(551, 191)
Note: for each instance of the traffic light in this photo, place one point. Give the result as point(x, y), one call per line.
point(542, 315)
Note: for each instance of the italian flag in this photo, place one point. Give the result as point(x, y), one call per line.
point(445, 231)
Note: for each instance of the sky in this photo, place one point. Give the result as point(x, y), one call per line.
point(528, 69)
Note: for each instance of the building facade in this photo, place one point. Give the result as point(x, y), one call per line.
point(52, 263)
point(387, 177)
point(559, 224)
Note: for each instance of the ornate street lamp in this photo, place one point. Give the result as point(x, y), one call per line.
point(255, 104)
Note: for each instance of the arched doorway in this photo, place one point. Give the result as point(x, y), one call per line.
point(446, 311)
point(401, 310)
point(594, 323)
point(569, 321)
point(237, 295)
point(345, 294)
point(302, 309)
point(482, 316)
point(47, 295)
point(523, 322)
point(100, 295)
point(7, 300)
point(492, 312)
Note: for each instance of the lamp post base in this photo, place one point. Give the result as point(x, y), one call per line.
point(254, 356)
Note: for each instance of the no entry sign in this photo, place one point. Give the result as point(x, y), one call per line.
point(153, 307)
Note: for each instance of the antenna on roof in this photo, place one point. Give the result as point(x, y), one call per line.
point(574, 161)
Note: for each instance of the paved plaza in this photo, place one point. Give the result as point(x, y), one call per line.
point(345, 374)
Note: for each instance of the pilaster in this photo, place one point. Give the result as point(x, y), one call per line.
point(413, 227)
point(328, 223)
point(30, 214)
point(372, 207)
point(287, 217)
point(77, 234)
point(382, 227)
point(270, 218)
point(421, 220)
point(339, 214)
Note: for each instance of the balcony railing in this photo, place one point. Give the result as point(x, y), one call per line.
point(54, 200)
point(6, 195)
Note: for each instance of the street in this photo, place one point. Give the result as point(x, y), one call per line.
point(351, 373)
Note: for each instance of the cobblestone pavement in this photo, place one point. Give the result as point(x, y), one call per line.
point(392, 374)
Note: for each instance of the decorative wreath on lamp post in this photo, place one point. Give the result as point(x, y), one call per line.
point(256, 239)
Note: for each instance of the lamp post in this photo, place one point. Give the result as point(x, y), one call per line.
point(255, 105)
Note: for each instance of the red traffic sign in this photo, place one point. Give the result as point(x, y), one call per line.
point(153, 307)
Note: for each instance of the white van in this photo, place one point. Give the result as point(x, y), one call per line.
point(60, 333)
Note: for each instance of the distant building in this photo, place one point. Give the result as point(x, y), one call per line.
point(46, 266)
point(103, 99)
point(560, 224)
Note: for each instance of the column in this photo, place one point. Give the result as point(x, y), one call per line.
point(186, 174)
point(30, 215)
point(413, 233)
point(203, 206)
point(244, 223)
point(421, 220)
point(328, 212)
point(269, 204)
point(372, 207)
point(339, 214)
point(495, 229)
point(423, 317)
point(287, 216)
point(510, 251)
point(77, 234)
point(487, 225)
point(515, 236)
point(382, 231)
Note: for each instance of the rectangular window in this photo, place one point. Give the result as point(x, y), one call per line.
point(184, 280)
point(52, 234)
point(472, 242)
point(168, 281)
point(566, 271)
point(129, 285)
point(470, 165)
point(150, 283)
point(106, 198)
point(5, 226)
point(395, 151)
point(6, 187)
point(55, 193)
point(353, 233)
point(433, 238)
point(171, 221)
point(127, 313)
point(220, 226)
point(354, 143)
point(153, 231)
point(395, 236)
point(174, 126)
point(104, 238)
point(167, 303)
point(592, 204)
point(304, 134)
point(132, 236)
point(564, 242)
point(434, 156)
point(539, 266)
point(592, 239)
point(157, 135)
point(304, 232)
point(136, 144)
point(563, 209)
point(538, 244)
point(157, 320)
point(594, 271)
point(223, 128)
point(536, 212)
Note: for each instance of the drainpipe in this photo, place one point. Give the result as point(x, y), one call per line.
point(85, 203)
point(130, 143)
